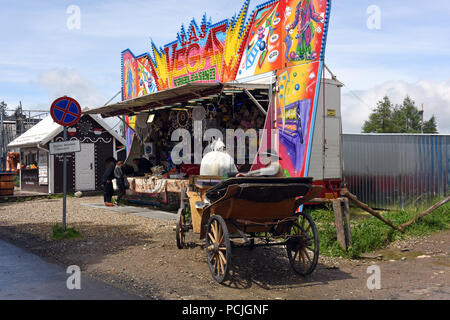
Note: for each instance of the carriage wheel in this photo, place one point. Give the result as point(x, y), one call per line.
point(218, 248)
point(180, 228)
point(303, 246)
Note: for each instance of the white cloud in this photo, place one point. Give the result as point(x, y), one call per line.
point(69, 82)
point(435, 96)
point(60, 82)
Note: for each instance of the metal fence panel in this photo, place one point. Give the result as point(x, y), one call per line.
point(397, 170)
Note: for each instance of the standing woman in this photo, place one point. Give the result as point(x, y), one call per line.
point(107, 179)
point(120, 180)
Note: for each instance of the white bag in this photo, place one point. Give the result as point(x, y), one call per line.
point(217, 163)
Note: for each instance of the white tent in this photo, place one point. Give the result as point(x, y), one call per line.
point(47, 129)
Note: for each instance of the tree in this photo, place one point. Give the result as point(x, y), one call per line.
point(404, 118)
point(430, 126)
point(380, 120)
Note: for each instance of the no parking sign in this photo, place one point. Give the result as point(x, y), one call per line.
point(65, 111)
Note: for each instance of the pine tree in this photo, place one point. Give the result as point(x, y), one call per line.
point(404, 118)
point(430, 125)
point(380, 120)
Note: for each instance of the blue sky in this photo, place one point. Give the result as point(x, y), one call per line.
point(41, 59)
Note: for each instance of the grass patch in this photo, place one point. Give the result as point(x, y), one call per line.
point(59, 234)
point(16, 181)
point(369, 233)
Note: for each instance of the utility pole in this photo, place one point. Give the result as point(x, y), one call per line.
point(22, 120)
point(3, 145)
point(421, 121)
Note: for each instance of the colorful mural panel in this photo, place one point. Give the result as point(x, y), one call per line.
point(137, 80)
point(129, 76)
point(131, 122)
point(147, 83)
point(295, 112)
point(137, 77)
point(263, 47)
point(304, 27)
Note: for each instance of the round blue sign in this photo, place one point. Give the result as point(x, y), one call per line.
point(65, 111)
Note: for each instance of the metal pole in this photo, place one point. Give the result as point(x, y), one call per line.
point(22, 128)
point(421, 121)
point(113, 97)
point(135, 132)
point(324, 140)
point(2, 166)
point(64, 183)
point(333, 76)
point(256, 102)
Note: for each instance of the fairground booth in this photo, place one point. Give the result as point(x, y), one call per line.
point(42, 172)
point(258, 70)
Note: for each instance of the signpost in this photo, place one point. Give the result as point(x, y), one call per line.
point(65, 147)
point(65, 111)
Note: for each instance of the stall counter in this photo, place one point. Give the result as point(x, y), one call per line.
point(155, 191)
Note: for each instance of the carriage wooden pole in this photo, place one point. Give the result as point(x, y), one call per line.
point(348, 233)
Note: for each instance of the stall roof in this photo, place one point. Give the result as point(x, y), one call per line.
point(45, 130)
point(170, 96)
point(37, 134)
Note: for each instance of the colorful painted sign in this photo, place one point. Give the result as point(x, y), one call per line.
point(204, 52)
point(279, 34)
point(197, 54)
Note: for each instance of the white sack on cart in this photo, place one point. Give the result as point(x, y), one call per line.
point(217, 162)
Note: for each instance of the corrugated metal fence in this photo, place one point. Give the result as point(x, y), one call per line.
point(397, 170)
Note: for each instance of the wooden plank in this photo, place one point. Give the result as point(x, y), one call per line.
point(339, 222)
point(315, 191)
point(196, 214)
point(348, 231)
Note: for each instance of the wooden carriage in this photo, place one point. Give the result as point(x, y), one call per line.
point(251, 212)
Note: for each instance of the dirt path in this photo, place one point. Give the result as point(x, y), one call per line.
point(140, 255)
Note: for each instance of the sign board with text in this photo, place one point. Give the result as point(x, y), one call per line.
point(65, 147)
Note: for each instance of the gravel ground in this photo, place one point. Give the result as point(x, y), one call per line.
point(140, 255)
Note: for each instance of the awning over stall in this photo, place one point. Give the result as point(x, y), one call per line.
point(171, 96)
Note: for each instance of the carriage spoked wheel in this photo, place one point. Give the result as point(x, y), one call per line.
point(218, 248)
point(180, 228)
point(303, 245)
